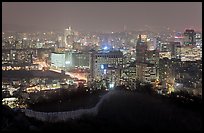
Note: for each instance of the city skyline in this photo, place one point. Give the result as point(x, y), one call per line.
point(101, 16)
point(101, 66)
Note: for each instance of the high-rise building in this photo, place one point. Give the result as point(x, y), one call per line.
point(173, 46)
point(141, 48)
point(107, 65)
point(189, 37)
point(60, 41)
point(178, 52)
point(146, 72)
point(147, 58)
point(158, 43)
point(68, 38)
point(166, 75)
point(58, 60)
point(25, 43)
point(188, 74)
point(80, 59)
point(17, 56)
point(165, 47)
point(179, 38)
point(198, 39)
point(152, 57)
point(151, 44)
point(190, 53)
point(150, 73)
point(69, 59)
point(129, 71)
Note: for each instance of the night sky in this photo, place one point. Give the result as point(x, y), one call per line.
point(103, 16)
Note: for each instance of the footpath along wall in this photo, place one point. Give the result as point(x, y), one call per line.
point(64, 116)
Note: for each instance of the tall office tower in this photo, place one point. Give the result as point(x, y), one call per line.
point(25, 43)
point(68, 33)
point(198, 39)
point(146, 61)
point(80, 59)
point(158, 44)
point(60, 41)
point(189, 37)
point(151, 44)
point(58, 59)
point(173, 48)
point(179, 38)
point(152, 57)
point(141, 48)
point(178, 52)
point(166, 74)
point(106, 65)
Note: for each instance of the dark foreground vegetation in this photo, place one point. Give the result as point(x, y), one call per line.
point(66, 101)
point(124, 111)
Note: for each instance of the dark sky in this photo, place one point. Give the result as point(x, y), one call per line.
point(103, 16)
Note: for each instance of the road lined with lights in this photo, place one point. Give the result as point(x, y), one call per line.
point(72, 75)
point(82, 76)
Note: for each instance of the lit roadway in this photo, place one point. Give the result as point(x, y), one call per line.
point(73, 75)
point(41, 64)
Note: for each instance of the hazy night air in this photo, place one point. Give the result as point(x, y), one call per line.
point(100, 16)
point(102, 66)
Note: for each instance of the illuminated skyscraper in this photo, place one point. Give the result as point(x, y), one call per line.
point(173, 48)
point(189, 37)
point(179, 38)
point(198, 39)
point(158, 43)
point(106, 65)
point(60, 41)
point(68, 33)
point(141, 48)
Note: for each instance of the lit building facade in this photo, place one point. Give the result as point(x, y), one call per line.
point(190, 53)
point(189, 37)
point(81, 59)
point(165, 55)
point(166, 75)
point(107, 65)
point(198, 39)
point(68, 38)
point(188, 75)
point(165, 47)
point(141, 48)
point(173, 47)
point(146, 72)
point(58, 60)
point(70, 59)
point(147, 58)
point(17, 56)
point(179, 38)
